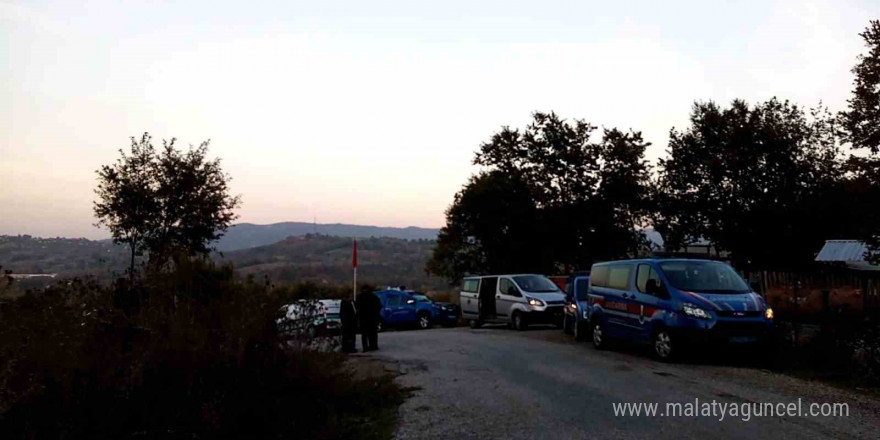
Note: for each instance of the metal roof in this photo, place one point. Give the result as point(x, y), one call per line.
point(842, 250)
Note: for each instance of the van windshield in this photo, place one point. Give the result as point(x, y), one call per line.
point(422, 298)
point(704, 276)
point(534, 283)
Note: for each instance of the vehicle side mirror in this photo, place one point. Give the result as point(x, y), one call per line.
point(410, 301)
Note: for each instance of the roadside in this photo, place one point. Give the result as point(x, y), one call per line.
point(496, 383)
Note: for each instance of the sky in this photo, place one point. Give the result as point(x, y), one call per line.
point(370, 112)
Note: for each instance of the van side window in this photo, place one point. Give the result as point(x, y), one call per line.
point(507, 287)
point(599, 276)
point(645, 273)
point(581, 288)
point(393, 300)
point(618, 276)
point(471, 285)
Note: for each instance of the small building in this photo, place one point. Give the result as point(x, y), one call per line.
point(850, 253)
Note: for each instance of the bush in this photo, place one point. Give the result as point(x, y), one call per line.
point(190, 354)
point(839, 350)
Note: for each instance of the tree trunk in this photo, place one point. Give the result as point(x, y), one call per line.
point(131, 267)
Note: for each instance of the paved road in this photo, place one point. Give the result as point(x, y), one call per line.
point(499, 383)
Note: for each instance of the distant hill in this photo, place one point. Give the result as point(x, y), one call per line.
point(248, 235)
point(325, 259)
point(34, 255)
point(381, 261)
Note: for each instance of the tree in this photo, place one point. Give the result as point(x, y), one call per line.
point(590, 193)
point(861, 127)
point(862, 121)
point(582, 199)
point(169, 204)
point(553, 156)
point(491, 227)
point(623, 195)
point(754, 181)
point(128, 205)
point(859, 199)
point(5, 281)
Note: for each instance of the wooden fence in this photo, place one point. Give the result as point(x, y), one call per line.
point(819, 293)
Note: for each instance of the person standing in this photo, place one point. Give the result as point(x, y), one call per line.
point(369, 307)
point(348, 316)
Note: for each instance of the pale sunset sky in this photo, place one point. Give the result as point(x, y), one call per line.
point(369, 112)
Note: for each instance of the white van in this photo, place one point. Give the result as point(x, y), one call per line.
point(517, 300)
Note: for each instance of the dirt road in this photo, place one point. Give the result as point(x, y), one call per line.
point(538, 384)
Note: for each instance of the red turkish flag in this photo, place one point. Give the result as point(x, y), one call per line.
point(354, 254)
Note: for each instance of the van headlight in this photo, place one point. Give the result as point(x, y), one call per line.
point(694, 311)
point(535, 302)
point(768, 314)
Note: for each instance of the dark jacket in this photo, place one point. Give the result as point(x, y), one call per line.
point(347, 315)
point(368, 309)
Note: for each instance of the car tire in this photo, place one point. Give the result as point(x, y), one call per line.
point(580, 331)
point(519, 321)
point(424, 321)
point(664, 345)
point(600, 338)
point(380, 327)
point(474, 324)
point(566, 328)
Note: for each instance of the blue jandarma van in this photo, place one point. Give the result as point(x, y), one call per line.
point(670, 303)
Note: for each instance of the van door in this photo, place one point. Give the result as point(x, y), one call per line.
point(507, 295)
point(488, 286)
point(579, 297)
point(469, 298)
point(650, 299)
point(620, 302)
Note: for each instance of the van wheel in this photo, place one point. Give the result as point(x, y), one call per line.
point(664, 346)
point(580, 332)
point(519, 321)
point(600, 339)
point(380, 327)
point(424, 321)
point(473, 323)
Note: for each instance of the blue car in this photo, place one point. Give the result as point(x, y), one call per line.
point(405, 308)
point(443, 313)
point(674, 303)
point(576, 315)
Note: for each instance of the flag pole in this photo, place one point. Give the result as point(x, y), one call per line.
point(354, 266)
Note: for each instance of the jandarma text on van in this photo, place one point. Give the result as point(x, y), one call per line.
point(721, 410)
